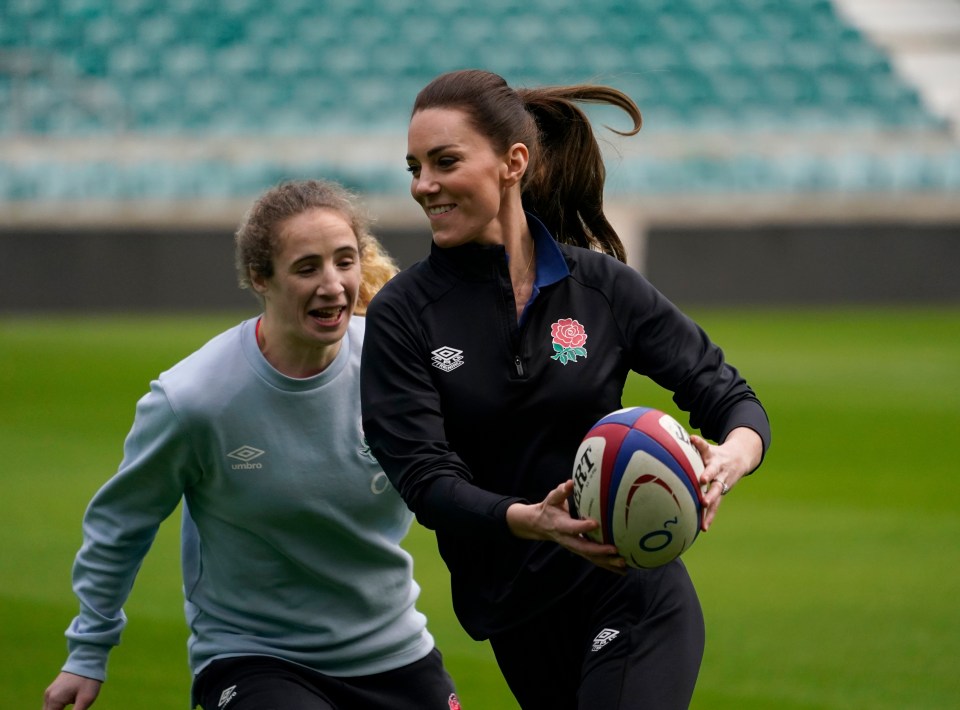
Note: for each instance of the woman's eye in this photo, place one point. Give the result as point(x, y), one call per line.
point(413, 169)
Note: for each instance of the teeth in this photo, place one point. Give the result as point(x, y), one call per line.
point(440, 210)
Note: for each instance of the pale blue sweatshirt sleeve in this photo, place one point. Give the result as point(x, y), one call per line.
point(120, 525)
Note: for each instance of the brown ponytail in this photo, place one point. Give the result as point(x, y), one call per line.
point(566, 187)
point(565, 178)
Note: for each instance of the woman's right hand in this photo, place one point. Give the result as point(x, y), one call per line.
point(551, 520)
point(71, 689)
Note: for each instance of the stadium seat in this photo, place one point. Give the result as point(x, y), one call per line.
point(293, 67)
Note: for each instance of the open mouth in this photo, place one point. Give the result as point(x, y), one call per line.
point(327, 316)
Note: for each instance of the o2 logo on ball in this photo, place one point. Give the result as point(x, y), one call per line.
point(655, 540)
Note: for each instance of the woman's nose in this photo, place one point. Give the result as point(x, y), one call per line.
point(424, 183)
point(330, 283)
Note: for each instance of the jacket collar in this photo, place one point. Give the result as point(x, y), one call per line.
point(480, 262)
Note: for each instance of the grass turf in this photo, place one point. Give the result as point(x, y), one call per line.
point(828, 580)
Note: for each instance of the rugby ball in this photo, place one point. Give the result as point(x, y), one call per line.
point(638, 475)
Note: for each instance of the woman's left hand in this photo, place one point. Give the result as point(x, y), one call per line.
point(725, 464)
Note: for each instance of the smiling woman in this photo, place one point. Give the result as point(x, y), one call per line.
point(315, 236)
point(520, 328)
point(258, 434)
point(309, 298)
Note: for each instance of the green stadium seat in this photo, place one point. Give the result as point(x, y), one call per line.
point(129, 61)
point(185, 62)
point(157, 32)
point(295, 67)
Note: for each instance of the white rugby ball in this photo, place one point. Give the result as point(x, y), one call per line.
point(638, 475)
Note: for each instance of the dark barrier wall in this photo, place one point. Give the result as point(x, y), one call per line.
point(117, 270)
point(807, 264)
point(121, 270)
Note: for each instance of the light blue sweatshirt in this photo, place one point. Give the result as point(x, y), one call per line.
point(291, 531)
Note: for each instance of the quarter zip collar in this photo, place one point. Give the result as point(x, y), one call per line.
point(480, 262)
point(471, 262)
point(551, 264)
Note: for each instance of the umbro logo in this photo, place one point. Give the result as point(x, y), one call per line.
point(603, 638)
point(446, 358)
point(246, 455)
point(227, 695)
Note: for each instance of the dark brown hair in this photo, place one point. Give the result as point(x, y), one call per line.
point(256, 238)
point(564, 181)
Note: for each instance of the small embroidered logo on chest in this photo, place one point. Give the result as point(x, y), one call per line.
point(446, 358)
point(568, 339)
point(246, 455)
point(603, 638)
point(226, 696)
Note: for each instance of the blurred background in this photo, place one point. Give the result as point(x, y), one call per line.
point(796, 186)
point(793, 151)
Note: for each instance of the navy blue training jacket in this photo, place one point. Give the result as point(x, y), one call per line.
point(469, 411)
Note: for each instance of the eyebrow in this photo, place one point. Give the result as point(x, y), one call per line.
point(340, 251)
point(433, 151)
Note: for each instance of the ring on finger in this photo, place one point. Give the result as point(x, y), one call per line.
point(724, 487)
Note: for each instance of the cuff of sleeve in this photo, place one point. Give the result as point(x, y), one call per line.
point(751, 415)
point(500, 512)
point(88, 660)
point(457, 505)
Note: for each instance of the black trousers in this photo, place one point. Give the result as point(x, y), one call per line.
point(619, 643)
point(264, 683)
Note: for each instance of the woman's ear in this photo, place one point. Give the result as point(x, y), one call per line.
point(257, 281)
point(518, 157)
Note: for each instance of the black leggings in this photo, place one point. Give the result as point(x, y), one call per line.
point(264, 683)
point(619, 643)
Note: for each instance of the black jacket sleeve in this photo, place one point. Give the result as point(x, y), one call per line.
point(673, 351)
point(403, 423)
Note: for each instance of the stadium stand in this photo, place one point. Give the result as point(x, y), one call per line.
point(132, 112)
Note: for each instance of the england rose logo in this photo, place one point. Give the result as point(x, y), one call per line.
point(568, 339)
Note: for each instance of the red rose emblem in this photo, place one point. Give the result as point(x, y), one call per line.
point(568, 333)
point(453, 701)
point(568, 339)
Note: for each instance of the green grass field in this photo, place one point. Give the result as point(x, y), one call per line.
point(829, 580)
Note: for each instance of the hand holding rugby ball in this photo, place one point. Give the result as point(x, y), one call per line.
point(637, 474)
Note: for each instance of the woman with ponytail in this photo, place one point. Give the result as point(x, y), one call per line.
point(486, 363)
point(298, 594)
